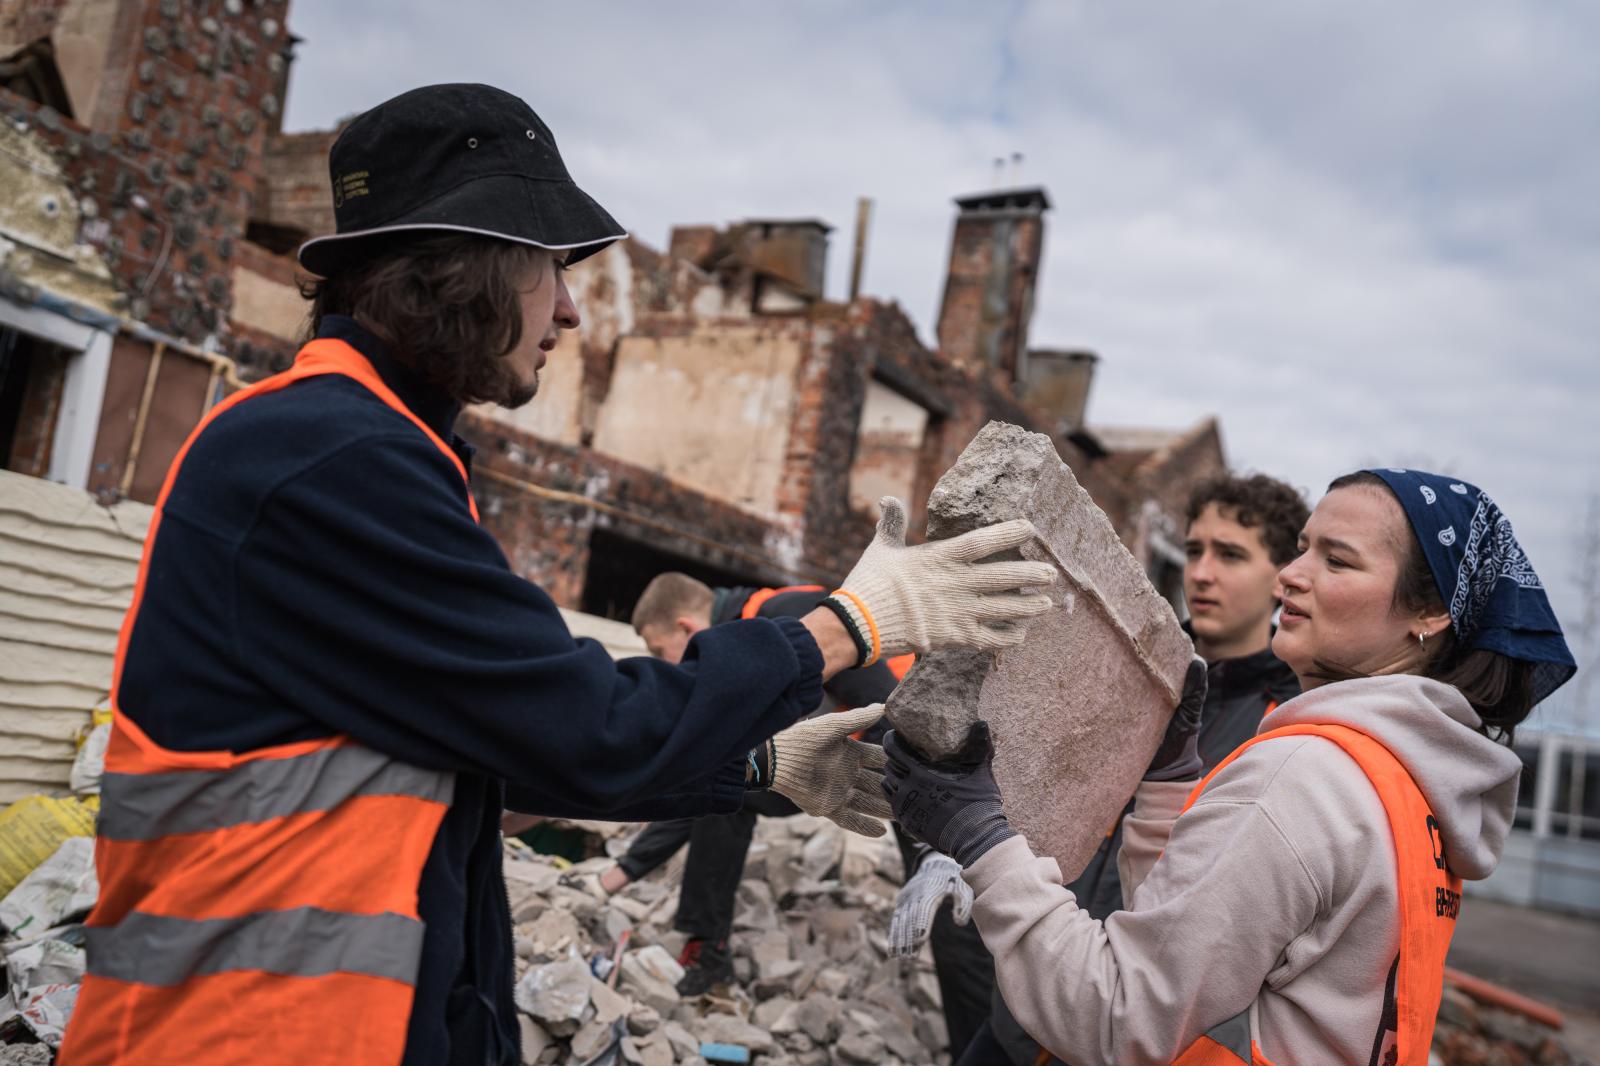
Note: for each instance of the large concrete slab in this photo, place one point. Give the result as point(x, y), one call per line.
point(1078, 709)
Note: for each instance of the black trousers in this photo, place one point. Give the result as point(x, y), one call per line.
point(718, 844)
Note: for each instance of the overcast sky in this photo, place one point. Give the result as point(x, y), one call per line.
point(1357, 232)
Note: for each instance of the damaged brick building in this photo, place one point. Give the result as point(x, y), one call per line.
point(715, 413)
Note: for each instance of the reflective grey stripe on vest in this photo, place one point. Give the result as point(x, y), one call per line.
point(1234, 1035)
point(149, 806)
point(152, 949)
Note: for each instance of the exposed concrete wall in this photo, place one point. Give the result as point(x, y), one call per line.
point(295, 192)
point(40, 219)
point(67, 569)
point(268, 305)
point(555, 413)
point(888, 447)
point(710, 409)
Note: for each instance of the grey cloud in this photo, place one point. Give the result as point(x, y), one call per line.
point(1353, 230)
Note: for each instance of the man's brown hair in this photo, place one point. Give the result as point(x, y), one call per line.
point(447, 305)
point(670, 596)
point(1256, 502)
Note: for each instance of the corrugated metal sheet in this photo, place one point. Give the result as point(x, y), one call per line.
point(67, 568)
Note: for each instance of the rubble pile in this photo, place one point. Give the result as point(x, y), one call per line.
point(813, 984)
point(1470, 1033)
point(596, 973)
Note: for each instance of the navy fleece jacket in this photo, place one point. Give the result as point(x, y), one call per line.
point(317, 571)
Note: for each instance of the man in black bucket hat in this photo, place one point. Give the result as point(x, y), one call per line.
point(455, 158)
point(331, 683)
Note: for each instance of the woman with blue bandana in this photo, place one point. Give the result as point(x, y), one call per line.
point(1300, 908)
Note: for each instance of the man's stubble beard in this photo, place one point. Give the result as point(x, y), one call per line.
point(517, 394)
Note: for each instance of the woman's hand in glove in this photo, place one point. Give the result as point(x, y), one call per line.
point(937, 595)
point(828, 774)
point(1178, 757)
point(938, 878)
point(951, 804)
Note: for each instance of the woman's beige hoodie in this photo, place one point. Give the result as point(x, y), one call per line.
point(1276, 890)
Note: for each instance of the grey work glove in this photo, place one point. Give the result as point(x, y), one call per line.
point(828, 774)
point(951, 804)
point(937, 879)
point(937, 595)
point(1178, 757)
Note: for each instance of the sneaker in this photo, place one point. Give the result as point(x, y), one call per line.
point(706, 963)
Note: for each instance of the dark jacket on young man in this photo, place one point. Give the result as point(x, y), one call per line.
point(318, 572)
point(1239, 693)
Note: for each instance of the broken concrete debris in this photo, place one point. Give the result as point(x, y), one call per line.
point(813, 982)
point(1103, 670)
point(1470, 1033)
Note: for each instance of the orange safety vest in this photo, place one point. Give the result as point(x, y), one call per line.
point(1430, 897)
point(256, 906)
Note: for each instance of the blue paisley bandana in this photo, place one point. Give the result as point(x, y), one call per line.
point(1496, 600)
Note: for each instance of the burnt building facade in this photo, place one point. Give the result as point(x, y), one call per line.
point(715, 413)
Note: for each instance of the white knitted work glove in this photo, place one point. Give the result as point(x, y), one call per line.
point(937, 595)
point(938, 878)
point(830, 775)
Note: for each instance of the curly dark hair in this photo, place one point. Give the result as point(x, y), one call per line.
point(1256, 502)
point(447, 305)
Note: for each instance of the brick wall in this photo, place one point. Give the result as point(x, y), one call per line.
point(168, 166)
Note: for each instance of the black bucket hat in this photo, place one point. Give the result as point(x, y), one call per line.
point(464, 158)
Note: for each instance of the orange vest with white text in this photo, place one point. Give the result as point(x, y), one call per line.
point(1430, 898)
point(257, 906)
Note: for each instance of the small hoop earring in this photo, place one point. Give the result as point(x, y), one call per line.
point(1422, 641)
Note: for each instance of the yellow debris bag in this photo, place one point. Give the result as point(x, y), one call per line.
point(32, 828)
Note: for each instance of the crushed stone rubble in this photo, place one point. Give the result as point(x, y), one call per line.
point(597, 974)
point(813, 984)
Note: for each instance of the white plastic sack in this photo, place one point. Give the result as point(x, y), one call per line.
point(45, 974)
point(90, 763)
point(47, 1009)
point(62, 887)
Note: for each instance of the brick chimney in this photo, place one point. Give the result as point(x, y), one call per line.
point(1057, 380)
point(988, 290)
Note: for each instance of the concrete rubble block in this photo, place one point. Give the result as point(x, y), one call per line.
point(556, 995)
point(594, 1039)
point(823, 852)
point(1078, 709)
point(534, 1040)
point(683, 1042)
point(643, 1020)
point(608, 1004)
point(729, 1029)
point(643, 979)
